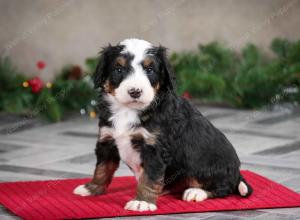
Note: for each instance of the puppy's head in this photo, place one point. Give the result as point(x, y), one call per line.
point(133, 73)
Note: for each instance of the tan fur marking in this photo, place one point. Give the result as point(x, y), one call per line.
point(102, 177)
point(142, 134)
point(147, 62)
point(151, 139)
point(148, 190)
point(107, 138)
point(156, 88)
point(193, 183)
point(108, 88)
point(120, 61)
point(182, 184)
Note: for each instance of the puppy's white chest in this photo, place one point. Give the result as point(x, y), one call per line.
point(123, 121)
point(128, 154)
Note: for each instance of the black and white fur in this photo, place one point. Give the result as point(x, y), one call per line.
point(176, 143)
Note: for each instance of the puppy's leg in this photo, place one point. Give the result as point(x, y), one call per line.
point(146, 195)
point(107, 162)
point(150, 184)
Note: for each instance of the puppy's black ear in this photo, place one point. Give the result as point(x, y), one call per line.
point(167, 71)
point(100, 74)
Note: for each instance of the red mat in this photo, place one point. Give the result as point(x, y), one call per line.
point(54, 199)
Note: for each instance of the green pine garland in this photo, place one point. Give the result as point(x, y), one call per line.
point(13, 98)
point(249, 80)
point(53, 103)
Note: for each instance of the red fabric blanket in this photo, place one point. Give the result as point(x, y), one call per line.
point(54, 199)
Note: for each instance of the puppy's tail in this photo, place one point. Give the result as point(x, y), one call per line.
point(244, 189)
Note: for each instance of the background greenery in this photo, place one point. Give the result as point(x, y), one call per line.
point(249, 79)
point(69, 91)
point(212, 73)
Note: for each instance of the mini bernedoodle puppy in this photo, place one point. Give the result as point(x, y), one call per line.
point(163, 139)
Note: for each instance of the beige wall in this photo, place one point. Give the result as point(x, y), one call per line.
point(62, 32)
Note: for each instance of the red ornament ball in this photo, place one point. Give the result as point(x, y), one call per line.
point(41, 64)
point(186, 95)
point(36, 84)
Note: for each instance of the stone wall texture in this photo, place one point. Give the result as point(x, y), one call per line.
point(68, 31)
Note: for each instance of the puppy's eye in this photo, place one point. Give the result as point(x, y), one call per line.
point(149, 70)
point(118, 69)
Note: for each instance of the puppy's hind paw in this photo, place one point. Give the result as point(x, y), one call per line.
point(194, 194)
point(135, 205)
point(82, 190)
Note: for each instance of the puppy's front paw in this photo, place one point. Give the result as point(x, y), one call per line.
point(82, 190)
point(136, 205)
point(89, 189)
point(194, 194)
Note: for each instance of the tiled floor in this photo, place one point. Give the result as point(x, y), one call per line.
point(267, 143)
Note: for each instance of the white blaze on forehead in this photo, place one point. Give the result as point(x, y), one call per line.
point(136, 47)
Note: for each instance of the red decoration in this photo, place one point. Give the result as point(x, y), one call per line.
point(186, 95)
point(41, 64)
point(75, 73)
point(36, 84)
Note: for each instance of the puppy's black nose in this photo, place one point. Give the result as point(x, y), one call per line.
point(135, 93)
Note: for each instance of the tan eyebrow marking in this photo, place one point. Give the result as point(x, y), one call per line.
point(120, 61)
point(147, 62)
